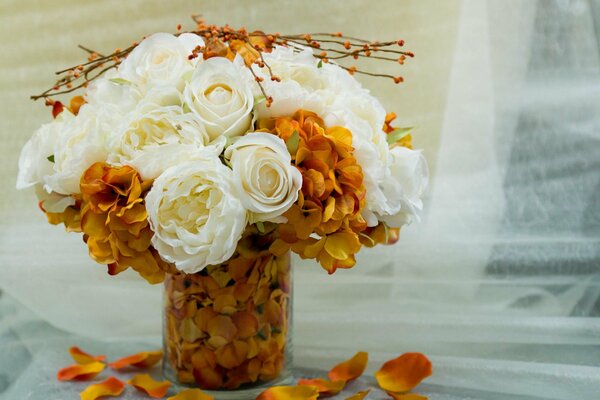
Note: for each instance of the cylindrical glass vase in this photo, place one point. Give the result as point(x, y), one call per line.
point(228, 327)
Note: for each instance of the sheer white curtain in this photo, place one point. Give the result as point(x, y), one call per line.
point(500, 283)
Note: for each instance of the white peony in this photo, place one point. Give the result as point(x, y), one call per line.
point(81, 143)
point(195, 214)
point(35, 161)
point(220, 94)
point(154, 137)
point(160, 60)
point(53, 202)
point(405, 185)
point(266, 181)
point(110, 94)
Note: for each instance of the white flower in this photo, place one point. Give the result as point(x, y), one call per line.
point(35, 161)
point(405, 186)
point(196, 217)
point(114, 97)
point(220, 94)
point(266, 181)
point(154, 137)
point(81, 143)
point(160, 59)
point(53, 202)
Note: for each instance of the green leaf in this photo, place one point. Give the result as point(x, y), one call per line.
point(292, 142)
point(50, 158)
point(398, 134)
point(320, 64)
point(260, 226)
point(120, 81)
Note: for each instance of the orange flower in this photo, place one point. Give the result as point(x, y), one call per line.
point(332, 197)
point(332, 251)
point(114, 221)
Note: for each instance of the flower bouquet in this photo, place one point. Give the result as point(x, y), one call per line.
point(201, 159)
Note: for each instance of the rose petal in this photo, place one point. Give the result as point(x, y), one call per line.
point(407, 396)
point(403, 373)
point(145, 359)
point(81, 357)
point(110, 387)
point(289, 393)
point(350, 369)
point(80, 372)
point(359, 395)
point(152, 388)
point(324, 386)
point(191, 394)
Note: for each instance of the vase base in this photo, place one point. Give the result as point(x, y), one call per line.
point(247, 393)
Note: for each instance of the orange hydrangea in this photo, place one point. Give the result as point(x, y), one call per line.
point(332, 197)
point(114, 221)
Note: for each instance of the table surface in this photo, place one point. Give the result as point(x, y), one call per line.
point(32, 351)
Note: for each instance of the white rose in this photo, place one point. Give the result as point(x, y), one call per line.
point(82, 142)
point(35, 159)
point(160, 59)
point(155, 137)
point(266, 181)
point(195, 215)
point(405, 186)
point(220, 94)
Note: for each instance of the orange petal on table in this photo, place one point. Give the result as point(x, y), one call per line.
point(145, 359)
point(152, 388)
point(359, 395)
point(79, 372)
point(191, 394)
point(403, 373)
point(289, 393)
point(407, 396)
point(81, 357)
point(110, 387)
point(324, 386)
point(350, 369)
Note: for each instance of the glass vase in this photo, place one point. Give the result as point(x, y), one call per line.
point(227, 329)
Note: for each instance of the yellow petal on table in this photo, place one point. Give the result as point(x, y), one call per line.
point(191, 394)
point(80, 372)
point(152, 388)
point(407, 396)
point(350, 369)
point(403, 373)
point(324, 386)
point(289, 393)
point(81, 357)
point(110, 387)
point(359, 395)
point(145, 359)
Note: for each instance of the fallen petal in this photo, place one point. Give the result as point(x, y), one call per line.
point(144, 359)
point(81, 357)
point(110, 387)
point(80, 372)
point(403, 373)
point(324, 387)
point(191, 394)
point(359, 395)
point(350, 369)
point(152, 388)
point(289, 393)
